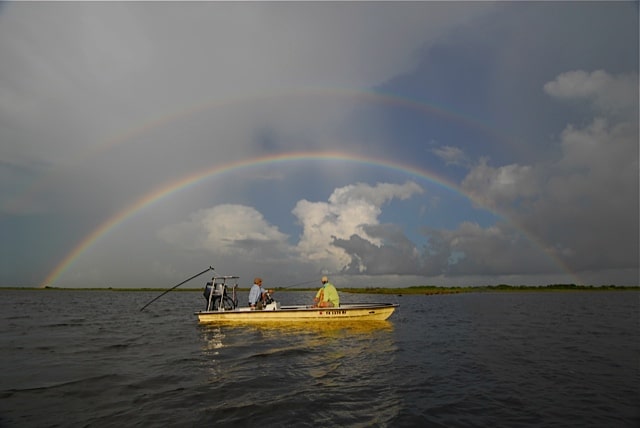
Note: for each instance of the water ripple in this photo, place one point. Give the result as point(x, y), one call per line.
point(512, 359)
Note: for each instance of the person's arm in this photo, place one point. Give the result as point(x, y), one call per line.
point(319, 297)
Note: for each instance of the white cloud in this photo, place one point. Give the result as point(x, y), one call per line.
point(608, 94)
point(228, 229)
point(451, 155)
point(375, 195)
point(349, 211)
point(498, 188)
point(243, 231)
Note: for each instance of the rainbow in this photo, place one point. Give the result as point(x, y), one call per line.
point(358, 95)
point(165, 190)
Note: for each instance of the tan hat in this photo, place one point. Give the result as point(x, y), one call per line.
point(257, 280)
point(325, 279)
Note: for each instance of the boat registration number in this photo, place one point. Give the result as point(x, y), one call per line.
point(337, 312)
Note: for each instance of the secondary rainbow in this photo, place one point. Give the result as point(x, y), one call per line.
point(129, 135)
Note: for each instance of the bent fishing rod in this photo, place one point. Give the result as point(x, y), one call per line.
point(178, 285)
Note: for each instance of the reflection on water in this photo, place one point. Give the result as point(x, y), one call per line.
point(213, 339)
point(337, 365)
point(302, 327)
point(301, 334)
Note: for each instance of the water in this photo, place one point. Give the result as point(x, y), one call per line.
point(91, 358)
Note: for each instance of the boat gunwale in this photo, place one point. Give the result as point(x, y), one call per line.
point(304, 308)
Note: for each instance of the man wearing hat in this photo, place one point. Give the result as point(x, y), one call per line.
point(257, 294)
point(327, 296)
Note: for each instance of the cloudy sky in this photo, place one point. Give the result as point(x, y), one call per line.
point(384, 144)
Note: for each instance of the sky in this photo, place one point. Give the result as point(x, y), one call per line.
point(382, 144)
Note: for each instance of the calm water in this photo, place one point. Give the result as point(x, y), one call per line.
point(91, 358)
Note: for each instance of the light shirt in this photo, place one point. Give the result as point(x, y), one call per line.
point(255, 294)
point(328, 293)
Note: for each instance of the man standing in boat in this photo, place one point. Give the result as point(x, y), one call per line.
point(258, 295)
point(327, 296)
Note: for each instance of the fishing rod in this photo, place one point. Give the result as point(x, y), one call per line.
point(177, 285)
point(268, 291)
point(303, 283)
point(299, 283)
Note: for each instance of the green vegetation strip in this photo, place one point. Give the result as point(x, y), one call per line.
point(420, 289)
point(428, 289)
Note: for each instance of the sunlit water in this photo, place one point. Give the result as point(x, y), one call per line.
point(92, 358)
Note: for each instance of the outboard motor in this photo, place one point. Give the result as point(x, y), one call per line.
point(213, 293)
point(207, 290)
point(217, 298)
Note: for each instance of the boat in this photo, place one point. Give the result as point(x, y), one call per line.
point(298, 313)
point(222, 307)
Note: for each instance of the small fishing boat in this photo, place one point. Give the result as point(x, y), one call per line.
point(222, 306)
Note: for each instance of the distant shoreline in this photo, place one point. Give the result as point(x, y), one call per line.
point(425, 290)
